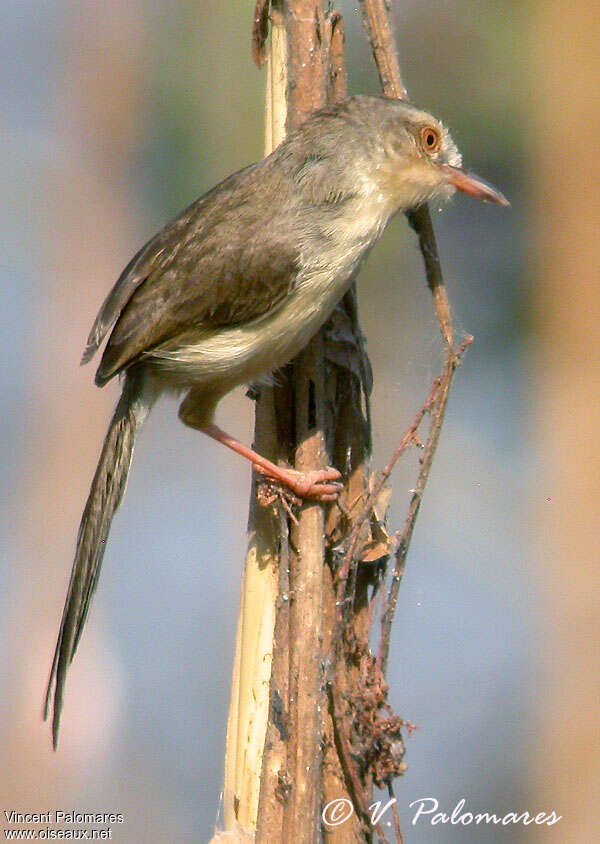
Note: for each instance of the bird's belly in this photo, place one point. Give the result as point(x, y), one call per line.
point(240, 354)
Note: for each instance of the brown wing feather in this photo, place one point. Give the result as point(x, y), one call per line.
point(149, 259)
point(214, 265)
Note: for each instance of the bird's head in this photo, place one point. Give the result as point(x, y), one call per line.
point(417, 160)
point(389, 151)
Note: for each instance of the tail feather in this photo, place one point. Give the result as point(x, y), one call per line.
point(104, 498)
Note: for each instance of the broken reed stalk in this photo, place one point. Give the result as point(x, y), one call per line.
point(306, 615)
point(289, 554)
point(306, 92)
point(301, 763)
point(266, 558)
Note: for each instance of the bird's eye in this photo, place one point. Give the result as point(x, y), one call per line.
point(430, 139)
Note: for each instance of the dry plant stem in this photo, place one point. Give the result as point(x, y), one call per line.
point(337, 68)
point(260, 31)
point(358, 795)
point(273, 776)
point(307, 81)
point(290, 780)
point(275, 782)
point(420, 221)
point(305, 696)
point(267, 547)
point(350, 448)
point(397, 829)
point(381, 37)
point(439, 392)
point(307, 59)
point(436, 404)
point(439, 409)
point(407, 440)
point(341, 778)
point(377, 24)
point(249, 698)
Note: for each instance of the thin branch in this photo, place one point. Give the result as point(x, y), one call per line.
point(408, 439)
point(260, 31)
point(420, 221)
point(337, 67)
point(441, 400)
point(380, 35)
point(397, 829)
point(355, 785)
point(377, 24)
point(376, 19)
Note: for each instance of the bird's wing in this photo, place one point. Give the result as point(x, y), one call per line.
point(218, 263)
point(136, 271)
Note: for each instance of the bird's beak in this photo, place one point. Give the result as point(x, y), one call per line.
point(472, 185)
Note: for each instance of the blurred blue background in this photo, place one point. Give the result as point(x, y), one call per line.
point(115, 117)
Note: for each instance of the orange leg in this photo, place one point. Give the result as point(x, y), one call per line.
point(320, 485)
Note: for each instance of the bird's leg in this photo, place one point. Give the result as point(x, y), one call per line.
point(321, 485)
point(197, 410)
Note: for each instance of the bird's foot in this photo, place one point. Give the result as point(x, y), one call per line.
point(320, 485)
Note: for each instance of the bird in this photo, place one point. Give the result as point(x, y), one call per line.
point(237, 284)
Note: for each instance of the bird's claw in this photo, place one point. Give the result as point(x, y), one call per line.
point(319, 485)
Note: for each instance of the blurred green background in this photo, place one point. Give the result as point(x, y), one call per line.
point(115, 117)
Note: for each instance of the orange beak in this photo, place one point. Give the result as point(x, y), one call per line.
point(472, 185)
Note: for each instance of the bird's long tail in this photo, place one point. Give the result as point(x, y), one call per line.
point(105, 496)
